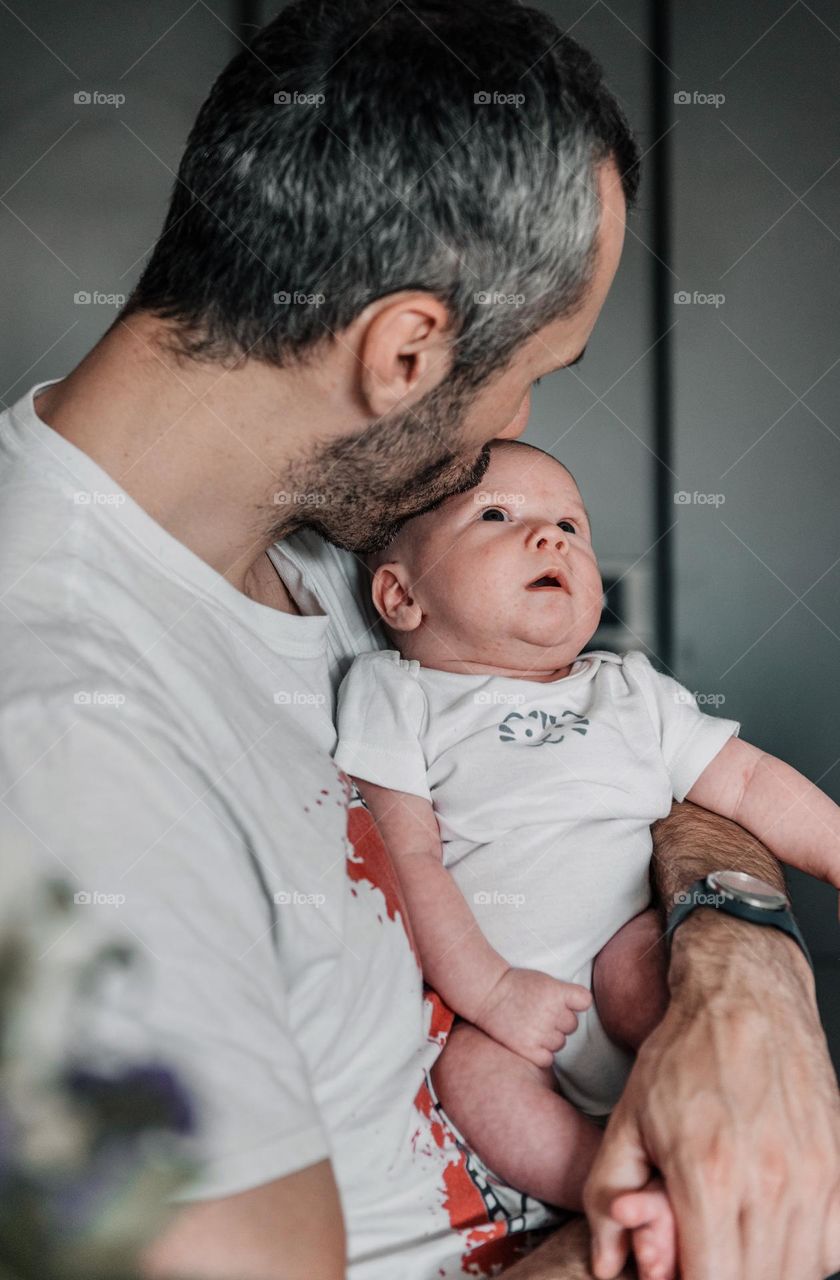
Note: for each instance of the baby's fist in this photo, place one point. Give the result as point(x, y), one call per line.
point(532, 1013)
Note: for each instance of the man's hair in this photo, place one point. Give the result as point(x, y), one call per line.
point(357, 149)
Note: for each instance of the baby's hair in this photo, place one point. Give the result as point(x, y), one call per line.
point(526, 444)
point(518, 444)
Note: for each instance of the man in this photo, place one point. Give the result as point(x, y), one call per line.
point(310, 349)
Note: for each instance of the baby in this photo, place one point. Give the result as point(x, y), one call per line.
point(526, 871)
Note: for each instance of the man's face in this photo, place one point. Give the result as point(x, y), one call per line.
point(412, 461)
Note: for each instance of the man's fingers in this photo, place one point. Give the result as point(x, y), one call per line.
point(610, 1248)
point(621, 1165)
point(801, 1254)
point(809, 1252)
point(832, 1236)
point(709, 1232)
point(764, 1239)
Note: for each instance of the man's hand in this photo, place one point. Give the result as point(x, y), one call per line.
point(532, 1013)
point(733, 1098)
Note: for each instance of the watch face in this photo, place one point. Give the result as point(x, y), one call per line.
point(749, 889)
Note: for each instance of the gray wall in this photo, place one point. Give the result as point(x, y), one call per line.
point(608, 446)
point(756, 600)
point(84, 186)
point(759, 597)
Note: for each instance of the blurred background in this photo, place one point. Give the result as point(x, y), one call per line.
point(702, 425)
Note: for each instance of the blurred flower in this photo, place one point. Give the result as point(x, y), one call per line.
point(93, 1127)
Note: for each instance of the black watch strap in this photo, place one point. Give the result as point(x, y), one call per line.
point(701, 894)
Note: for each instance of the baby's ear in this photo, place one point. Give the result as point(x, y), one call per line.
point(391, 595)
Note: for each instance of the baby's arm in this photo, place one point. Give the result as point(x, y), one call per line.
point(791, 816)
point(528, 1011)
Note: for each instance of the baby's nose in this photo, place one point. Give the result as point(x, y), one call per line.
point(547, 536)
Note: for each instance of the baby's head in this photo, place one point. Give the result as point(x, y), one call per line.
point(459, 587)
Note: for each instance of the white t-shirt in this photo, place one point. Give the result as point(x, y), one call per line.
point(165, 748)
point(544, 795)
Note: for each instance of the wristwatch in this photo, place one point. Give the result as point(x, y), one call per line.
point(741, 895)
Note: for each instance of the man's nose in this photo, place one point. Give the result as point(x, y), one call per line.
point(519, 422)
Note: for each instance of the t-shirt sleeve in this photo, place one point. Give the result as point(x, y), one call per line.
point(381, 714)
point(689, 738)
point(141, 839)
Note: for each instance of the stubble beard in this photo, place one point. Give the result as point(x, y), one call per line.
point(359, 491)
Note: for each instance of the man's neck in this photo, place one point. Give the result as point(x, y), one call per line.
point(264, 584)
point(197, 446)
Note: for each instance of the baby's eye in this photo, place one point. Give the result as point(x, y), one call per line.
point(494, 513)
point(566, 526)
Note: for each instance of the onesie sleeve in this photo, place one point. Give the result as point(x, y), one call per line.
point(690, 738)
point(381, 715)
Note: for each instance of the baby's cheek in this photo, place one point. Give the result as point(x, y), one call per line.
point(595, 588)
point(465, 594)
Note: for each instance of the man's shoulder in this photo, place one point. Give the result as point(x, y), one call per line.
point(320, 573)
point(36, 513)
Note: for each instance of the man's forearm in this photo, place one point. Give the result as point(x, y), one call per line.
point(688, 844)
point(691, 842)
point(732, 1098)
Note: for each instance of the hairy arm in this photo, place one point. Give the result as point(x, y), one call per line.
point(733, 1097)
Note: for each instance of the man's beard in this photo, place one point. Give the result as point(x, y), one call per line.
point(359, 491)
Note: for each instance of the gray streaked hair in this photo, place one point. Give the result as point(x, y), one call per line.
point(355, 150)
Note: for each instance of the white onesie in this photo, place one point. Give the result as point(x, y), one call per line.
point(544, 796)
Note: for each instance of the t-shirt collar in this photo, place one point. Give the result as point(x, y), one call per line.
point(303, 636)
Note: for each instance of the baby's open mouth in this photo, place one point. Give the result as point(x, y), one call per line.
point(551, 579)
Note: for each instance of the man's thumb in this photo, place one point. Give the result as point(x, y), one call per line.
point(621, 1165)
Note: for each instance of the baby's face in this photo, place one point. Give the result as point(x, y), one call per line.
point(503, 574)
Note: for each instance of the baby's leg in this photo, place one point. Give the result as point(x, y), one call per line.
point(509, 1112)
point(629, 981)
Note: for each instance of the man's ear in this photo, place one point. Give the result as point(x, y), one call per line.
point(392, 597)
point(403, 350)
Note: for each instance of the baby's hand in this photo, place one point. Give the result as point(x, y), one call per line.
point(532, 1013)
